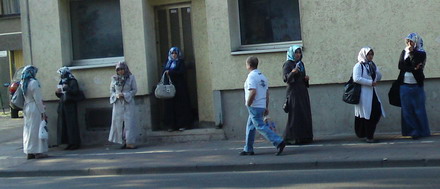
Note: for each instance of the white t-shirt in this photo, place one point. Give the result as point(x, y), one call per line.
point(256, 80)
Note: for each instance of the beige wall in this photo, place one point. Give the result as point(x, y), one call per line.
point(333, 32)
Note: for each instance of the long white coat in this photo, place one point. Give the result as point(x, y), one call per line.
point(363, 109)
point(32, 110)
point(123, 114)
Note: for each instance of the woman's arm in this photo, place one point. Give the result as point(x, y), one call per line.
point(405, 64)
point(112, 91)
point(180, 68)
point(128, 96)
point(288, 75)
point(358, 75)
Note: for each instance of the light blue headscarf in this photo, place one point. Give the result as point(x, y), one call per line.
point(172, 63)
point(65, 75)
point(291, 52)
point(29, 72)
point(417, 39)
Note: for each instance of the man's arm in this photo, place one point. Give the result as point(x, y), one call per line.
point(252, 94)
point(267, 103)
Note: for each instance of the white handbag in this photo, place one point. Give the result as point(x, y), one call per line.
point(165, 91)
point(43, 132)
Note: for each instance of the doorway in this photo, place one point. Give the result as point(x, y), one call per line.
point(173, 23)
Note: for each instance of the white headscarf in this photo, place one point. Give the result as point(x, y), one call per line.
point(362, 57)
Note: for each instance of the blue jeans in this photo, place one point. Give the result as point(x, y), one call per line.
point(255, 122)
point(414, 118)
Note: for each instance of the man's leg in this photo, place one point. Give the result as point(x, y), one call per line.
point(250, 136)
point(257, 120)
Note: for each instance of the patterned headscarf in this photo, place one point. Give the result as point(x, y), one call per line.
point(65, 74)
point(29, 72)
point(171, 63)
point(120, 79)
point(291, 52)
point(417, 39)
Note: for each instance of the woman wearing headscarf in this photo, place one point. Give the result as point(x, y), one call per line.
point(299, 122)
point(68, 130)
point(178, 114)
point(412, 95)
point(369, 110)
point(123, 89)
point(34, 113)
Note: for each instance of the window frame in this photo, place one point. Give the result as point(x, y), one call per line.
point(235, 33)
point(2, 14)
point(92, 62)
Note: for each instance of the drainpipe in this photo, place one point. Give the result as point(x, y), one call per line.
point(29, 34)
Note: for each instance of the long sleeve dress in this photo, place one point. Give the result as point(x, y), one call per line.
point(68, 129)
point(178, 112)
point(32, 110)
point(124, 125)
point(299, 123)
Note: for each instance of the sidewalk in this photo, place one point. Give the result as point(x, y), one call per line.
point(215, 156)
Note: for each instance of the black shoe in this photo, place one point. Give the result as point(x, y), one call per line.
point(415, 137)
point(68, 147)
point(31, 156)
point(243, 153)
point(370, 140)
point(124, 146)
point(280, 148)
point(74, 147)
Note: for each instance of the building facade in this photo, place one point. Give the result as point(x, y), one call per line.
point(216, 36)
point(11, 54)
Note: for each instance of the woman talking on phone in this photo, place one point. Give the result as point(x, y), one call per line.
point(299, 122)
point(412, 95)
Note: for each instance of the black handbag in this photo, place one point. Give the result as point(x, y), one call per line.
point(394, 94)
point(352, 92)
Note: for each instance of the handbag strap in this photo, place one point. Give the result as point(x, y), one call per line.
point(163, 78)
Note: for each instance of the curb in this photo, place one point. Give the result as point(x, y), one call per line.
point(384, 163)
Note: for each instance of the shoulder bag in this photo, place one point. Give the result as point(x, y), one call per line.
point(352, 91)
point(17, 99)
point(394, 94)
point(164, 91)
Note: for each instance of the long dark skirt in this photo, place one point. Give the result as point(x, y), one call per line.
point(68, 129)
point(299, 122)
point(366, 127)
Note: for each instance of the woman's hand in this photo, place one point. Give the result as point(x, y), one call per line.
point(306, 78)
point(419, 66)
point(43, 116)
point(59, 90)
point(374, 83)
point(295, 70)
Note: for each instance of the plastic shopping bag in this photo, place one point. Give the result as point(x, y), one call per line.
point(43, 132)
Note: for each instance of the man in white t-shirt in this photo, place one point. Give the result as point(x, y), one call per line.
point(257, 102)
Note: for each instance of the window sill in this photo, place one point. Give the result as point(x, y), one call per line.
point(95, 63)
point(265, 48)
point(92, 66)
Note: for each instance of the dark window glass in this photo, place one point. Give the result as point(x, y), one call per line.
point(268, 21)
point(96, 29)
point(9, 7)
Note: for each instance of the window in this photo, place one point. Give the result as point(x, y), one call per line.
point(96, 31)
point(9, 7)
point(269, 21)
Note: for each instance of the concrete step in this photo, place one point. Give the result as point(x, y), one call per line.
point(202, 134)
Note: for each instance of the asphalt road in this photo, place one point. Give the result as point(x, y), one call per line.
point(420, 177)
